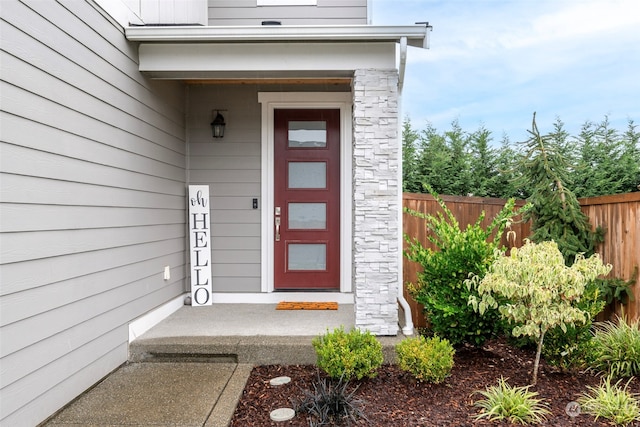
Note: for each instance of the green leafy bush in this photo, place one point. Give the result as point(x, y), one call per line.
point(615, 289)
point(330, 403)
point(427, 359)
point(440, 286)
point(616, 348)
point(572, 349)
point(612, 402)
point(348, 355)
point(516, 404)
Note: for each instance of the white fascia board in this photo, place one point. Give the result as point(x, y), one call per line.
point(182, 60)
point(287, 2)
point(417, 35)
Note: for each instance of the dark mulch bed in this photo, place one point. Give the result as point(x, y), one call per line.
point(393, 398)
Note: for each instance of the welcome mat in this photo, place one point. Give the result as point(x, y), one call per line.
point(288, 305)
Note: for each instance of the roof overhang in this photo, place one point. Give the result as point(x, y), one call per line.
point(187, 61)
point(416, 35)
point(272, 52)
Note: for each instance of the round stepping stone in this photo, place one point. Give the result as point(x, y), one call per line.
point(572, 409)
point(282, 414)
point(280, 381)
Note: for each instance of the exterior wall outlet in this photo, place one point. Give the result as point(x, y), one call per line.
point(167, 273)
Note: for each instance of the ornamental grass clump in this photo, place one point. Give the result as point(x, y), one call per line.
point(330, 403)
point(535, 291)
point(616, 348)
point(611, 402)
point(348, 355)
point(427, 359)
point(516, 404)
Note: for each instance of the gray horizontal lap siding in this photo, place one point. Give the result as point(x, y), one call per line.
point(92, 192)
point(245, 12)
point(231, 168)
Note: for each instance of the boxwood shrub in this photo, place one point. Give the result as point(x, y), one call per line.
point(353, 354)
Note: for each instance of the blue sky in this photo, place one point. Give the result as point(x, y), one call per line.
point(495, 62)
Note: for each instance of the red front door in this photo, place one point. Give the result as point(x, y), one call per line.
point(307, 199)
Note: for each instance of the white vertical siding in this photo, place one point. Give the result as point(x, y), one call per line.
point(173, 11)
point(92, 188)
point(246, 12)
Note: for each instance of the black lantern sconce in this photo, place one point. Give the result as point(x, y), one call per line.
point(218, 125)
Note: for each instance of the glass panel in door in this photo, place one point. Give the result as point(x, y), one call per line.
point(307, 134)
point(307, 175)
point(307, 216)
point(306, 256)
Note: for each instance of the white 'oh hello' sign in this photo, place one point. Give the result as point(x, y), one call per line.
point(200, 245)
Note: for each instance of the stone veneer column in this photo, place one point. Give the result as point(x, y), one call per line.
point(376, 159)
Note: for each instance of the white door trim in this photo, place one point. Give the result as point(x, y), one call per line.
point(338, 100)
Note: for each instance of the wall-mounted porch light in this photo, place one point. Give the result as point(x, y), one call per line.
point(218, 125)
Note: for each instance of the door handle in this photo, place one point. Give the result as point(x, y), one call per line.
point(277, 229)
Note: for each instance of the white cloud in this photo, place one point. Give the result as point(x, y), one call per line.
point(497, 61)
point(576, 20)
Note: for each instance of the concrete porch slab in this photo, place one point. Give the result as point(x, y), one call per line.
point(251, 320)
point(255, 334)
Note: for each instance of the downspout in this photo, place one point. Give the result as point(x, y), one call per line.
point(408, 321)
point(401, 69)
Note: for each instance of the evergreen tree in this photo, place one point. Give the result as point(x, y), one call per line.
point(434, 162)
point(555, 212)
point(563, 142)
point(483, 164)
point(459, 167)
point(410, 176)
point(630, 160)
point(599, 161)
point(608, 162)
point(584, 169)
point(507, 183)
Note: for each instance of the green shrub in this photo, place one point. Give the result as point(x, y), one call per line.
point(612, 402)
point(615, 289)
point(440, 286)
point(349, 355)
point(574, 349)
point(616, 348)
point(516, 404)
point(571, 350)
point(427, 359)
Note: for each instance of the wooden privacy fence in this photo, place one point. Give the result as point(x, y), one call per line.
point(619, 214)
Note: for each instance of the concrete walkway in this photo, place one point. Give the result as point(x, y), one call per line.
point(191, 368)
point(160, 394)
